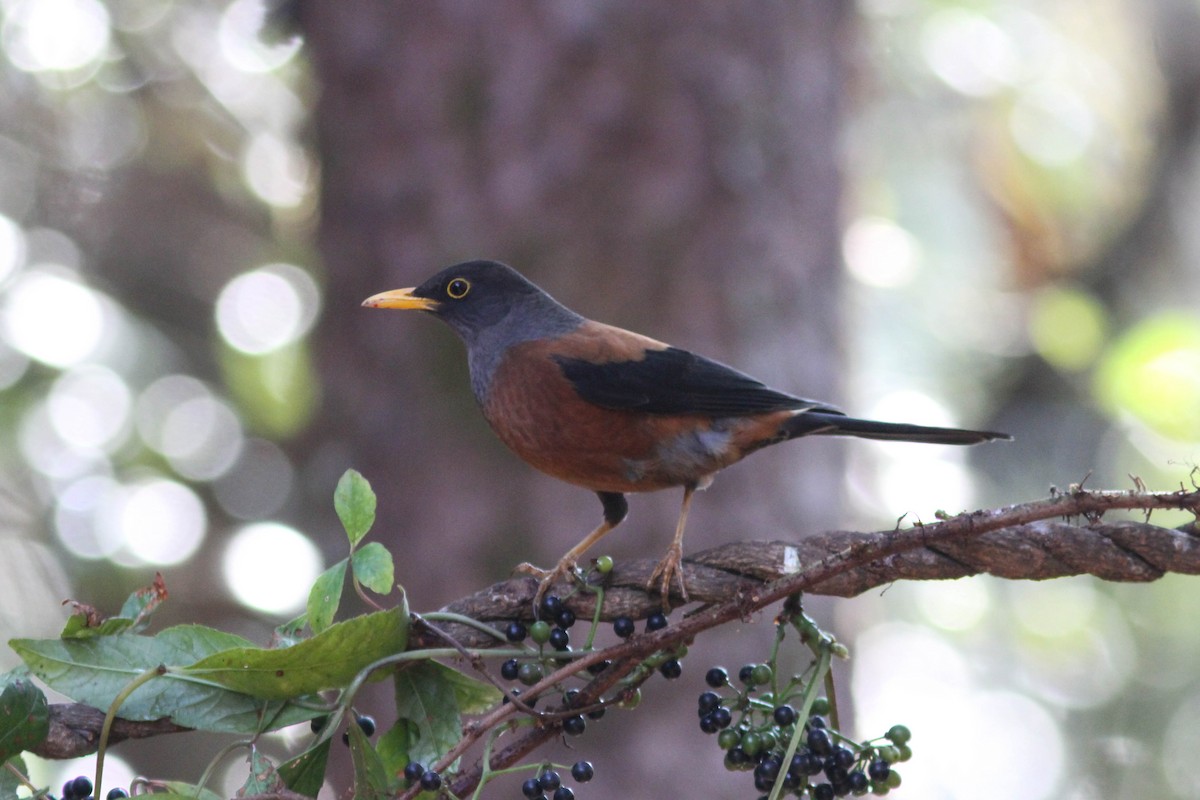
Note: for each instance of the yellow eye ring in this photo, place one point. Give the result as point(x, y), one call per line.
point(457, 288)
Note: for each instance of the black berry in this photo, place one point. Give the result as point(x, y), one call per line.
point(858, 782)
point(599, 666)
point(367, 724)
point(671, 669)
point(516, 631)
point(843, 757)
point(816, 722)
point(878, 769)
point(551, 605)
point(532, 788)
point(784, 715)
point(819, 741)
point(823, 791)
point(582, 771)
point(413, 771)
point(81, 787)
point(431, 781)
point(573, 726)
point(623, 627)
point(708, 723)
point(559, 638)
point(549, 780)
point(565, 618)
point(116, 794)
point(509, 669)
point(708, 701)
point(563, 793)
point(746, 674)
point(716, 677)
point(596, 713)
point(656, 621)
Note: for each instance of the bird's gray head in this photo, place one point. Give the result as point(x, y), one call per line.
point(490, 305)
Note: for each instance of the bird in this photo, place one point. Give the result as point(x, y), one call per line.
point(615, 411)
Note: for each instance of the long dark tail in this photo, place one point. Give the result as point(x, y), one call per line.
point(819, 423)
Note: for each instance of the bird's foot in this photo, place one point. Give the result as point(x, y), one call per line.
point(668, 570)
point(547, 577)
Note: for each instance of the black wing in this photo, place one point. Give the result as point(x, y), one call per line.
point(674, 381)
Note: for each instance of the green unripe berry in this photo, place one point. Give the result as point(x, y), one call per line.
point(530, 673)
point(751, 743)
point(728, 738)
point(631, 700)
point(898, 734)
point(768, 741)
point(540, 631)
point(604, 564)
point(762, 674)
point(879, 788)
point(820, 706)
point(893, 779)
point(889, 754)
point(905, 752)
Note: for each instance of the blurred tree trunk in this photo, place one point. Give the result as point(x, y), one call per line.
point(670, 167)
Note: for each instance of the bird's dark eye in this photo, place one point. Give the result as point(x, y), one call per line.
point(458, 288)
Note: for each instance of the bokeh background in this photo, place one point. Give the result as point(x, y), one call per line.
point(983, 213)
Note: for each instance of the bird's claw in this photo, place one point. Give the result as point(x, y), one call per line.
point(664, 573)
point(546, 578)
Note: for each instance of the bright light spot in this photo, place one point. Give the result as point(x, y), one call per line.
point(52, 318)
point(12, 248)
point(970, 53)
point(880, 253)
point(55, 35)
point(160, 522)
point(276, 170)
point(267, 308)
point(1067, 327)
point(241, 44)
point(45, 451)
point(1051, 124)
point(953, 605)
point(75, 518)
point(12, 366)
point(1181, 742)
point(269, 567)
point(200, 435)
point(911, 406)
point(89, 407)
point(910, 674)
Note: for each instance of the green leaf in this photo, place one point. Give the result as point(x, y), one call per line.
point(355, 505)
point(77, 627)
point(373, 567)
point(24, 718)
point(178, 790)
point(370, 776)
point(470, 695)
point(140, 605)
point(305, 774)
point(325, 596)
point(328, 660)
point(263, 777)
point(95, 670)
point(87, 621)
point(425, 698)
point(290, 632)
point(393, 747)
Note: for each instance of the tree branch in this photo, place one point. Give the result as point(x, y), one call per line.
point(1062, 535)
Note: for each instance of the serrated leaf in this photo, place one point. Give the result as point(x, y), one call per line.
point(93, 671)
point(472, 696)
point(426, 698)
point(305, 774)
point(370, 776)
point(373, 567)
point(354, 502)
point(325, 596)
point(263, 777)
point(328, 660)
point(24, 718)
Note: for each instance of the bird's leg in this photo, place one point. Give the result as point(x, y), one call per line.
point(668, 568)
point(615, 509)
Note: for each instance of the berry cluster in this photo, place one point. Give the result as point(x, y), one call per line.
point(548, 784)
point(767, 723)
point(81, 789)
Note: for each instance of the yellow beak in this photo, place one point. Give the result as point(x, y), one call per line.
point(402, 299)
